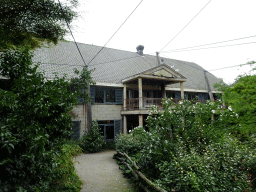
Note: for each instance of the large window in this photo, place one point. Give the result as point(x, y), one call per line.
point(107, 95)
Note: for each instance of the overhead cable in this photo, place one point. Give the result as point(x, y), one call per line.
point(212, 47)
point(185, 26)
point(230, 67)
point(208, 44)
point(115, 32)
point(73, 37)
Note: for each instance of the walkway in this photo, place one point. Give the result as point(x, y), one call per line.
point(100, 173)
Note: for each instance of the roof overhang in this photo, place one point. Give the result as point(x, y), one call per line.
point(162, 73)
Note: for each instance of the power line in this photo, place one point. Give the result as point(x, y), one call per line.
point(213, 47)
point(186, 64)
point(185, 26)
point(208, 44)
point(230, 67)
point(115, 32)
point(72, 36)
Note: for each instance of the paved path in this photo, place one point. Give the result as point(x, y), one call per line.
point(100, 173)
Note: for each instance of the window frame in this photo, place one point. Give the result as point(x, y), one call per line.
point(117, 93)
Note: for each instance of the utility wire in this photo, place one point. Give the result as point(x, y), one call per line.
point(230, 67)
point(73, 36)
point(213, 47)
point(115, 32)
point(185, 26)
point(208, 44)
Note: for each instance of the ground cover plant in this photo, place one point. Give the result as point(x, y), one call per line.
point(194, 147)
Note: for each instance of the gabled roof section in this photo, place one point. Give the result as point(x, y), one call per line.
point(114, 65)
point(162, 72)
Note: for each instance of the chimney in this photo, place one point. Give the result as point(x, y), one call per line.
point(140, 49)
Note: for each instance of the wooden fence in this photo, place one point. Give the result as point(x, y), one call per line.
point(137, 174)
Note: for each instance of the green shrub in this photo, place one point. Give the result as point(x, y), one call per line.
point(92, 141)
point(187, 150)
point(34, 123)
point(133, 142)
point(65, 177)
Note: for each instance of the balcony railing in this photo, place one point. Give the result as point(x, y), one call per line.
point(147, 103)
point(132, 104)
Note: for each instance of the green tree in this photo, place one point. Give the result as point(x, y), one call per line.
point(241, 98)
point(31, 22)
point(34, 122)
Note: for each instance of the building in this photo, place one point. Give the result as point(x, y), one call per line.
point(127, 83)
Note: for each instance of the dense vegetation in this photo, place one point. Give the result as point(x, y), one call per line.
point(31, 22)
point(186, 149)
point(92, 141)
point(34, 123)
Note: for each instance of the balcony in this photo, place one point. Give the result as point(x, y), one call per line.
point(147, 103)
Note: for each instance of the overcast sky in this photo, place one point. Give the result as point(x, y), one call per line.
point(157, 22)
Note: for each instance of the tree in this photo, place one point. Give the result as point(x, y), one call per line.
point(30, 22)
point(34, 122)
point(241, 97)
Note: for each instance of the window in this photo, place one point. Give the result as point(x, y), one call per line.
point(99, 96)
point(107, 129)
point(107, 95)
point(110, 95)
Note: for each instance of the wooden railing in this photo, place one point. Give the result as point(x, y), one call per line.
point(133, 104)
point(148, 102)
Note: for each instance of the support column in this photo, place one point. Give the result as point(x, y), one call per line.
point(124, 97)
point(182, 90)
point(141, 120)
point(125, 125)
point(140, 93)
point(129, 94)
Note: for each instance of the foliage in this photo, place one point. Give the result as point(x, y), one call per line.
point(242, 99)
point(189, 150)
point(110, 145)
point(34, 122)
point(30, 22)
point(79, 85)
point(134, 142)
point(92, 141)
point(65, 177)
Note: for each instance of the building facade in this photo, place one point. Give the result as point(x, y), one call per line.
point(127, 83)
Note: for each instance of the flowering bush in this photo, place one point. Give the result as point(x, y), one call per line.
point(193, 147)
point(134, 142)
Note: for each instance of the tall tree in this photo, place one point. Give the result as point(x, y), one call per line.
point(30, 22)
point(241, 98)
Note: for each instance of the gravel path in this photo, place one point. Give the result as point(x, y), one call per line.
point(100, 173)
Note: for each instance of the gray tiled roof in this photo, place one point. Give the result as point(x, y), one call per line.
point(113, 65)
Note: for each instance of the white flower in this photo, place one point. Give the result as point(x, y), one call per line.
point(130, 131)
point(230, 109)
point(213, 111)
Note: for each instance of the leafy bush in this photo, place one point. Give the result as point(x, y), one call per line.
point(34, 123)
point(65, 177)
point(189, 150)
point(134, 142)
point(92, 141)
point(242, 98)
